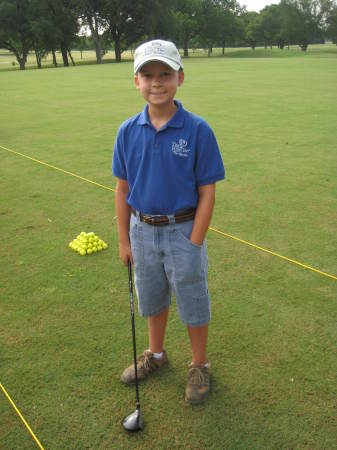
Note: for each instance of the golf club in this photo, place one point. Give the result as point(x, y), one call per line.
point(134, 421)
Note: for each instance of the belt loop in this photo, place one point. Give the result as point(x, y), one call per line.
point(172, 219)
point(137, 214)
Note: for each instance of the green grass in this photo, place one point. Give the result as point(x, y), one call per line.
point(64, 320)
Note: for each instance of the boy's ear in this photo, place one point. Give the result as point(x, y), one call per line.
point(181, 77)
point(135, 77)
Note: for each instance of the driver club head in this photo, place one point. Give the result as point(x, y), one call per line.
point(133, 422)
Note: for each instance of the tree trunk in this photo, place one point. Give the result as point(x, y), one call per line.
point(117, 41)
point(304, 46)
point(98, 48)
point(38, 59)
point(71, 57)
point(20, 59)
point(209, 51)
point(22, 64)
point(64, 56)
point(185, 46)
point(95, 36)
point(54, 58)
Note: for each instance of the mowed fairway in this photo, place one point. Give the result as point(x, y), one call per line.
point(65, 332)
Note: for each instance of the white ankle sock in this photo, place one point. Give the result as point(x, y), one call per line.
point(158, 355)
point(206, 364)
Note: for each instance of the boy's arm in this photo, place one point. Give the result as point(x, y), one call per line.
point(203, 213)
point(123, 220)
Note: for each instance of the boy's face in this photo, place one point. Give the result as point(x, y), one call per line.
point(158, 83)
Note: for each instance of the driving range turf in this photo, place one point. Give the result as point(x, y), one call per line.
point(64, 319)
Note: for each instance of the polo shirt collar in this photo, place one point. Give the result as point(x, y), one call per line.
point(177, 121)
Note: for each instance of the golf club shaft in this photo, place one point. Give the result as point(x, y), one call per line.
point(133, 331)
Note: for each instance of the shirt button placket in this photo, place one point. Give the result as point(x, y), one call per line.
point(155, 145)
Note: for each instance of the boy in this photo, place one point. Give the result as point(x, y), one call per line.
point(167, 161)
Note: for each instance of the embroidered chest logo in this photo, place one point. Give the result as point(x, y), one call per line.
point(180, 148)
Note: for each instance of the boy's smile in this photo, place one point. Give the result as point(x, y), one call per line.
point(158, 83)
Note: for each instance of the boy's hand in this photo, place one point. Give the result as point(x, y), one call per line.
point(123, 219)
point(125, 253)
point(203, 214)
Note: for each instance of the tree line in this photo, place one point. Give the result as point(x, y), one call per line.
point(48, 26)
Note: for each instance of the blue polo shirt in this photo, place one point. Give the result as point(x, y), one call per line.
point(164, 168)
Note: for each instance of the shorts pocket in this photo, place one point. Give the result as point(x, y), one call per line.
point(183, 238)
point(137, 247)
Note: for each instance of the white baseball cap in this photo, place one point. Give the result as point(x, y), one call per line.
point(158, 50)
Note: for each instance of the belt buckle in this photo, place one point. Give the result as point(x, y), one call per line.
point(148, 219)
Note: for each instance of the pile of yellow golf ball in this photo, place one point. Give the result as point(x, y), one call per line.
point(87, 244)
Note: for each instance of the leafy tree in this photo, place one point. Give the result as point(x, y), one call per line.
point(90, 12)
point(271, 26)
point(15, 28)
point(332, 25)
point(120, 18)
point(65, 25)
point(129, 22)
point(253, 28)
point(303, 21)
point(185, 22)
point(228, 24)
point(209, 23)
point(155, 20)
point(45, 34)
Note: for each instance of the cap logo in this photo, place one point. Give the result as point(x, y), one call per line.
point(155, 49)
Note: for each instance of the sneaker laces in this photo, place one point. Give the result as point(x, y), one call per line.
point(196, 376)
point(146, 359)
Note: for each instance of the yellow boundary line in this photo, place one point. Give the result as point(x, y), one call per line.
point(21, 417)
point(58, 168)
point(305, 266)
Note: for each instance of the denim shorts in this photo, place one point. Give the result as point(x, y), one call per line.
point(166, 262)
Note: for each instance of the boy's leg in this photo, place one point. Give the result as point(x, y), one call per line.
point(157, 327)
point(198, 383)
point(148, 362)
point(198, 338)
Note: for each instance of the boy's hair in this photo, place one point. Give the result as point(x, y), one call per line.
point(157, 50)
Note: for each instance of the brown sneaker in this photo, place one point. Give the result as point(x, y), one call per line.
point(198, 384)
point(146, 364)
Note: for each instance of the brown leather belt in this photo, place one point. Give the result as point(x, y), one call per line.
point(160, 221)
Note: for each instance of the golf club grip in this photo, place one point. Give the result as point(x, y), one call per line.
point(130, 276)
point(131, 288)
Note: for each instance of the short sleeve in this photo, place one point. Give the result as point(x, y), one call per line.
point(118, 159)
point(209, 167)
